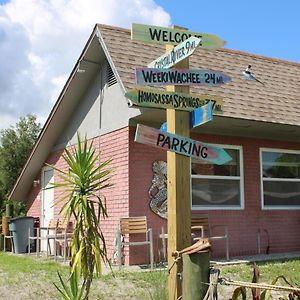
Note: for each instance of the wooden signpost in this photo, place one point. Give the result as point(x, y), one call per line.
point(175, 100)
point(178, 103)
point(177, 54)
point(172, 36)
point(154, 76)
point(180, 144)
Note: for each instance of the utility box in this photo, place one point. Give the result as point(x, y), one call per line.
point(19, 228)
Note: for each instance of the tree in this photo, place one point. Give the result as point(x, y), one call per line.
point(16, 145)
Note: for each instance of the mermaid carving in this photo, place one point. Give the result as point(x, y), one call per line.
point(158, 190)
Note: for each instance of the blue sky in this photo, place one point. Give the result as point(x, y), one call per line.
point(40, 40)
point(265, 27)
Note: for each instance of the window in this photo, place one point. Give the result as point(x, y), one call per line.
point(218, 186)
point(280, 175)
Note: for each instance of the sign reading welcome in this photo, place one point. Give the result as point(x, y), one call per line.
point(164, 35)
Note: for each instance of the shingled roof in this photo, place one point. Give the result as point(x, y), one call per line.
point(250, 109)
point(277, 101)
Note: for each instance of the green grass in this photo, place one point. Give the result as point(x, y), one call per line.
point(24, 278)
point(268, 271)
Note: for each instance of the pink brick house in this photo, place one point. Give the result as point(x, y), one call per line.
point(258, 191)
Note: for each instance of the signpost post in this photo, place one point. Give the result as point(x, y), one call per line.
point(179, 217)
point(178, 103)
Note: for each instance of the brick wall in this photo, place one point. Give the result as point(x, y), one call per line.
point(111, 146)
point(128, 196)
point(282, 226)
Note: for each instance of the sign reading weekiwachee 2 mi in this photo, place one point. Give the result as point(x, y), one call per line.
point(154, 76)
point(162, 99)
point(164, 35)
point(181, 145)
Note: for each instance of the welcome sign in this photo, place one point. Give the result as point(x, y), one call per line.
point(165, 35)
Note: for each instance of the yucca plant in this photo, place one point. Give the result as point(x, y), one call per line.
point(82, 202)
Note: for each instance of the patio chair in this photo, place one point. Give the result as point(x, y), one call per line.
point(200, 228)
point(130, 227)
point(7, 235)
point(63, 236)
point(43, 233)
point(216, 232)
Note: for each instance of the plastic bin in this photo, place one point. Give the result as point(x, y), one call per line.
point(19, 227)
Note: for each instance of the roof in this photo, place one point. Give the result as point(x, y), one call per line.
point(277, 101)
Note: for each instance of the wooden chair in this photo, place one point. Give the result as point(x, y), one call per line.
point(43, 233)
point(134, 226)
point(201, 223)
point(63, 235)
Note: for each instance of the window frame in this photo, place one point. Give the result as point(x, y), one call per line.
point(262, 179)
point(241, 179)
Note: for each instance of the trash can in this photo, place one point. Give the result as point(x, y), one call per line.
point(19, 227)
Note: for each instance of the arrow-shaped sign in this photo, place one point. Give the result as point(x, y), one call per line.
point(177, 54)
point(198, 117)
point(180, 101)
point(201, 115)
point(164, 35)
point(152, 76)
point(181, 145)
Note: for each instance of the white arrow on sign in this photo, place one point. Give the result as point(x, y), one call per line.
point(177, 54)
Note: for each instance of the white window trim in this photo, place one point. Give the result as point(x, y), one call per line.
point(277, 207)
point(241, 179)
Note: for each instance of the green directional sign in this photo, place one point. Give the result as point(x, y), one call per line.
point(180, 144)
point(180, 101)
point(177, 54)
point(165, 35)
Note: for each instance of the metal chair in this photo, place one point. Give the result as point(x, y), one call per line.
point(134, 226)
point(6, 234)
point(200, 228)
point(201, 222)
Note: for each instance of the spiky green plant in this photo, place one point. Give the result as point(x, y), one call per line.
point(81, 183)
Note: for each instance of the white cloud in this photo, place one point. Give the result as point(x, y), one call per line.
point(40, 41)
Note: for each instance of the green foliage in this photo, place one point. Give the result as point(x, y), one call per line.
point(18, 206)
point(16, 145)
point(72, 292)
point(82, 182)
